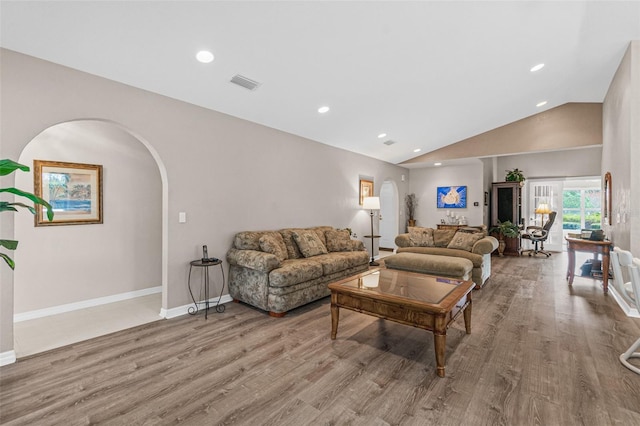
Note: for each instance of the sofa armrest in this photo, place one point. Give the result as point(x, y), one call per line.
point(485, 245)
point(403, 240)
point(253, 259)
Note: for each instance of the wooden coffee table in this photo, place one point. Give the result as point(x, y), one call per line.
point(423, 301)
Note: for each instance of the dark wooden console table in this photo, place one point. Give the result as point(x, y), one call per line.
point(595, 247)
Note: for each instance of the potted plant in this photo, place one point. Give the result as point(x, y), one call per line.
point(504, 229)
point(515, 175)
point(411, 203)
point(7, 167)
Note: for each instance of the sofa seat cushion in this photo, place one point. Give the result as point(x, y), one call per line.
point(446, 266)
point(294, 271)
point(339, 261)
point(475, 258)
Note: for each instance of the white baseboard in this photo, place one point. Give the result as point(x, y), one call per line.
point(7, 358)
point(628, 310)
point(54, 310)
point(183, 310)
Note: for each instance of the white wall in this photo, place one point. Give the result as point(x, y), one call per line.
point(227, 174)
point(621, 150)
point(568, 163)
point(71, 263)
point(424, 183)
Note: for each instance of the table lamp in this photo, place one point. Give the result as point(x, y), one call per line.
point(371, 203)
point(542, 209)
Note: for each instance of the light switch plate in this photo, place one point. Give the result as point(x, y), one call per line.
point(182, 217)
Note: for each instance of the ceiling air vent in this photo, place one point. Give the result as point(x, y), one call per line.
point(245, 82)
point(389, 142)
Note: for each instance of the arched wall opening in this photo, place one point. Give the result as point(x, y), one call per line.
point(59, 267)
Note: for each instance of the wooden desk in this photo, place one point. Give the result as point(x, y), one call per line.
point(595, 247)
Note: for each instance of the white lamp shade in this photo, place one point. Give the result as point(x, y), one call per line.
point(371, 203)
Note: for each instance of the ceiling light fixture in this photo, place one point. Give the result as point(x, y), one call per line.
point(537, 68)
point(382, 135)
point(323, 110)
point(437, 164)
point(417, 150)
point(204, 56)
point(539, 104)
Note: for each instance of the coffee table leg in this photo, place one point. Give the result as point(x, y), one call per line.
point(335, 315)
point(467, 317)
point(440, 343)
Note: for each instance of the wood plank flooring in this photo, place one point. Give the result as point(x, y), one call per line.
point(540, 353)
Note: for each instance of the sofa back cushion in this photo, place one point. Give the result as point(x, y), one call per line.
point(249, 240)
point(464, 240)
point(421, 237)
point(274, 244)
point(442, 237)
point(338, 240)
point(293, 252)
point(309, 242)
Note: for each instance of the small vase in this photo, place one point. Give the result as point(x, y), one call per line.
point(501, 247)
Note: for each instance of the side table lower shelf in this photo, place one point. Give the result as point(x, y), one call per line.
point(206, 264)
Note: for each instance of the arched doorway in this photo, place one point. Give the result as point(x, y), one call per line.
point(64, 269)
point(389, 212)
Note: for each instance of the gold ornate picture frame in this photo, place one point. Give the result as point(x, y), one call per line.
point(74, 191)
point(366, 189)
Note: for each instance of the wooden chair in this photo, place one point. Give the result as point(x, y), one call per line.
point(625, 265)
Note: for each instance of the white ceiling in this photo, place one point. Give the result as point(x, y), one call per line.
point(426, 73)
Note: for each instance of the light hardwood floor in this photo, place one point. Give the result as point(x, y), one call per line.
point(540, 353)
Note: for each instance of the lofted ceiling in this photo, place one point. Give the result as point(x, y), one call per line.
point(427, 74)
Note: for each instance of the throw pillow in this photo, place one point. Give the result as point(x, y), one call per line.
point(274, 244)
point(338, 240)
point(290, 243)
point(464, 240)
point(442, 237)
point(421, 237)
point(309, 243)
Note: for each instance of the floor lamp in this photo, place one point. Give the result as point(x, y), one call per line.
point(371, 203)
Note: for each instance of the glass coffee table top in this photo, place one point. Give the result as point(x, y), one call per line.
point(423, 288)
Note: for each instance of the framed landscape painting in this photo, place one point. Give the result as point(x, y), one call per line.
point(452, 197)
point(74, 191)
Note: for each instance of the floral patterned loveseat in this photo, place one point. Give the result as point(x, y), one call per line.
point(277, 271)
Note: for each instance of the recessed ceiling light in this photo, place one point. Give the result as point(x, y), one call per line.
point(417, 150)
point(437, 164)
point(204, 56)
point(323, 109)
point(539, 104)
point(537, 68)
point(382, 135)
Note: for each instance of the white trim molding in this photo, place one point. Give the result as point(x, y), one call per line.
point(60, 309)
point(184, 309)
point(629, 311)
point(7, 358)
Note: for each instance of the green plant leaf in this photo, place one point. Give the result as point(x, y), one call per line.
point(9, 261)
point(9, 166)
point(10, 244)
point(33, 198)
point(10, 206)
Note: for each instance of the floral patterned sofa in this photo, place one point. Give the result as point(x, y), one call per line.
point(277, 271)
point(471, 243)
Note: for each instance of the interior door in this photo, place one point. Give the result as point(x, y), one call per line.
point(388, 215)
point(549, 192)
